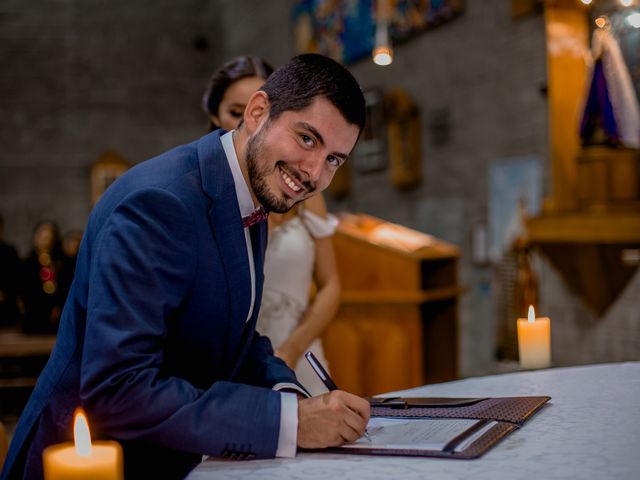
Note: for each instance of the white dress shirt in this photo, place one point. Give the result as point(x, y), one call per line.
point(287, 439)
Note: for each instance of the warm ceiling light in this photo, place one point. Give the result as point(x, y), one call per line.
point(626, 3)
point(382, 51)
point(382, 56)
point(586, 2)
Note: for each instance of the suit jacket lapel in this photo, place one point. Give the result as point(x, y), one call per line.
point(258, 246)
point(226, 225)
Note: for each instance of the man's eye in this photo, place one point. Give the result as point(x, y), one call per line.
point(334, 161)
point(307, 140)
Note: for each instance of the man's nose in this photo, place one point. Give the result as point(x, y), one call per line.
point(312, 166)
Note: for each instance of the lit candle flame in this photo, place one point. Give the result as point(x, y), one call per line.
point(532, 314)
point(81, 435)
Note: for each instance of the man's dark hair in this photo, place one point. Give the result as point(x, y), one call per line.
point(295, 85)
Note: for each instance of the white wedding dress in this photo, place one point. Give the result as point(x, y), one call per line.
point(288, 269)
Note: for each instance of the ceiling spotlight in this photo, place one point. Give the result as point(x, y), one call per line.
point(633, 19)
point(382, 51)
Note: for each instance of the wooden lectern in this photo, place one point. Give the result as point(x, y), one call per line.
point(397, 323)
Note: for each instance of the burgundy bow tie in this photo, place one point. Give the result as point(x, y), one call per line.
point(258, 215)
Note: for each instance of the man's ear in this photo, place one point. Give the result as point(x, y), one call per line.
point(215, 120)
point(256, 111)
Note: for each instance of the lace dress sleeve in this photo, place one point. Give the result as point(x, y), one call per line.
point(319, 227)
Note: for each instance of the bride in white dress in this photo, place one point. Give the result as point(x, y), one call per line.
point(299, 254)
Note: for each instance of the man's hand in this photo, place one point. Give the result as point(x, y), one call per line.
point(331, 419)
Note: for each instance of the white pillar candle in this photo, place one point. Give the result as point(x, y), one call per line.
point(534, 341)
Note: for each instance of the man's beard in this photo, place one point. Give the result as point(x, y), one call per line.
point(258, 176)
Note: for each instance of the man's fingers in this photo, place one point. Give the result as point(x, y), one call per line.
point(363, 409)
point(352, 427)
point(355, 422)
point(331, 419)
point(355, 415)
point(358, 405)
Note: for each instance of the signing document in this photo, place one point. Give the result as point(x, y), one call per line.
point(420, 433)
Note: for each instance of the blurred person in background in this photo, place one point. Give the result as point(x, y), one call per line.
point(229, 89)
point(39, 283)
point(70, 246)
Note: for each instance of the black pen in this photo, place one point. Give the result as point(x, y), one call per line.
point(324, 376)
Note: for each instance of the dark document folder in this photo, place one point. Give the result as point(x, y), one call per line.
point(441, 427)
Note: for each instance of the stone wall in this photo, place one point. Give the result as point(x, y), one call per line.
point(81, 77)
point(578, 335)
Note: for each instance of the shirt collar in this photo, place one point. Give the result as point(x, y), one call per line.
point(245, 202)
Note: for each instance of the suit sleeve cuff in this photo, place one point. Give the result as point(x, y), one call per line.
point(287, 440)
point(292, 388)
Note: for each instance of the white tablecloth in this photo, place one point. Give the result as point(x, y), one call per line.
point(589, 430)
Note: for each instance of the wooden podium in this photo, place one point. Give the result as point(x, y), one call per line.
point(397, 323)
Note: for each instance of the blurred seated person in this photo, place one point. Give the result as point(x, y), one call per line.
point(9, 278)
point(299, 249)
point(39, 286)
point(70, 246)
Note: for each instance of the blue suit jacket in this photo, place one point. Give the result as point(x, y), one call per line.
point(153, 341)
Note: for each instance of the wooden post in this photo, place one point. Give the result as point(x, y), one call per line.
point(567, 31)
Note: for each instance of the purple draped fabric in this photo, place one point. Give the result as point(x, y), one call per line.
point(598, 111)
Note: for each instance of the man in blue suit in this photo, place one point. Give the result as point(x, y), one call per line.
point(157, 340)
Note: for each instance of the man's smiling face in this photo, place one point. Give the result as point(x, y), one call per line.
point(296, 155)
